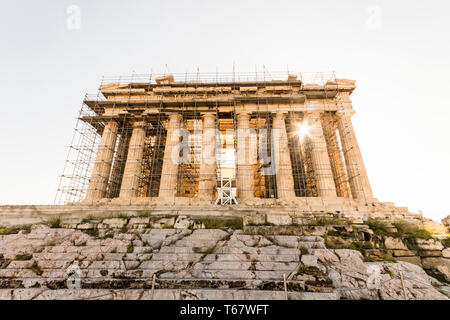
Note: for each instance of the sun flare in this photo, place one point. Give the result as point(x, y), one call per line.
point(302, 130)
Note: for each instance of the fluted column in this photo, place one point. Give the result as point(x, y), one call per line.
point(245, 179)
point(319, 154)
point(119, 164)
point(102, 167)
point(357, 174)
point(284, 177)
point(168, 184)
point(329, 126)
point(207, 179)
point(133, 166)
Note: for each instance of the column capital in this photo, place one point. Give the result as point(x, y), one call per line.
point(280, 114)
point(243, 114)
point(206, 114)
point(112, 123)
point(138, 124)
point(174, 116)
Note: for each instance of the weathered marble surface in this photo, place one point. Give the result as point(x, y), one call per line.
point(194, 264)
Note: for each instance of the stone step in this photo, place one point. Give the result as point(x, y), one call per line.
point(239, 274)
point(254, 250)
point(159, 294)
point(228, 248)
point(176, 257)
point(222, 253)
point(260, 266)
point(195, 243)
point(98, 278)
point(97, 268)
point(252, 257)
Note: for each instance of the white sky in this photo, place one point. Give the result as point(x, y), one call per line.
point(398, 51)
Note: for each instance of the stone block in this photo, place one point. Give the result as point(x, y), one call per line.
point(430, 253)
point(40, 226)
point(279, 220)
point(429, 244)
point(70, 222)
point(86, 226)
point(434, 262)
point(254, 219)
point(163, 223)
point(394, 244)
point(183, 222)
point(309, 260)
point(446, 253)
point(414, 260)
point(115, 222)
point(403, 253)
point(138, 221)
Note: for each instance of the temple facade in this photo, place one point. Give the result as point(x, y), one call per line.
point(170, 140)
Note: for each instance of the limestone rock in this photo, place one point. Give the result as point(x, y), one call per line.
point(446, 221)
point(394, 244)
point(430, 253)
point(183, 222)
point(325, 256)
point(85, 226)
point(70, 222)
point(429, 244)
point(413, 260)
point(139, 221)
point(279, 220)
point(115, 222)
point(254, 219)
point(446, 253)
point(445, 290)
point(434, 262)
point(202, 260)
point(162, 223)
point(403, 253)
point(334, 241)
point(309, 260)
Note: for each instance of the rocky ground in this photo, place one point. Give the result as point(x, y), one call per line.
point(184, 258)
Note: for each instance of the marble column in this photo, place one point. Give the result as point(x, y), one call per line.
point(119, 164)
point(329, 126)
point(245, 177)
point(102, 166)
point(207, 179)
point(319, 154)
point(133, 166)
point(284, 177)
point(169, 173)
point(356, 171)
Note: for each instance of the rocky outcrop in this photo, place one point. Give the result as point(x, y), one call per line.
point(120, 257)
point(446, 221)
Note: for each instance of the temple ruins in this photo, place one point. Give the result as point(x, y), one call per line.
point(257, 139)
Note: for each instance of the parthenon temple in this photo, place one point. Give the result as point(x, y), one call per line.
point(217, 139)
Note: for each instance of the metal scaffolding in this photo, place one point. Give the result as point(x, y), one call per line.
point(191, 95)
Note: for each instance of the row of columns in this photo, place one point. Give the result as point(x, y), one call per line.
point(356, 171)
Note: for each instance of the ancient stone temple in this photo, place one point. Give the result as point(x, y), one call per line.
point(220, 186)
point(222, 139)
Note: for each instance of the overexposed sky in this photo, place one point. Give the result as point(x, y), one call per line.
point(398, 51)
